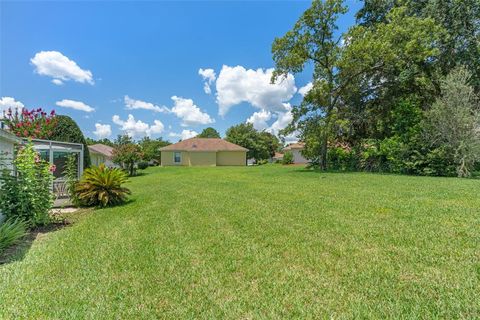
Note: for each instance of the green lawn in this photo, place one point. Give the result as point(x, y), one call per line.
point(260, 242)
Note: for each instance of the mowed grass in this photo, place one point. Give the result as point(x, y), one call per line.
point(260, 242)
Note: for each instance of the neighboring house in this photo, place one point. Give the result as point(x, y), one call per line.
point(7, 148)
point(204, 152)
point(296, 150)
point(100, 153)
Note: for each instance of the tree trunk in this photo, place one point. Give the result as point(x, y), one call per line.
point(323, 152)
point(132, 168)
point(324, 141)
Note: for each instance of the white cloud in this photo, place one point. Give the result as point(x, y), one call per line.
point(9, 102)
point(207, 74)
point(77, 105)
point(206, 88)
point(102, 130)
point(209, 77)
point(54, 64)
point(186, 134)
point(291, 138)
point(259, 119)
point(137, 128)
point(157, 127)
point(304, 90)
point(237, 84)
point(190, 114)
point(283, 120)
point(131, 104)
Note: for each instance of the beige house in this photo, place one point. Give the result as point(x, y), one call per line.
point(204, 152)
point(296, 150)
point(100, 153)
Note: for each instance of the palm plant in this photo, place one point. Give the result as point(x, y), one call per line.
point(102, 186)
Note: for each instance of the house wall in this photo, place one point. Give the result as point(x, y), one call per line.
point(97, 159)
point(167, 159)
point(231, 158)
point(7, 147)
point(221, 158)
point(202, 158)
point(297, 156)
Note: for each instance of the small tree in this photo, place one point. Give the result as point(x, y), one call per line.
point(209, 133)
point(126, 155)
point(453, 122)
point(35, 123)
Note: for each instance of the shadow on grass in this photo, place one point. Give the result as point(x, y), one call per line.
point(378, 173)
point(18, 251)
point(139, 173)
point(319, 171)
point(123, 204)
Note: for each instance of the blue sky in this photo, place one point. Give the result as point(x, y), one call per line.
point(134, 67)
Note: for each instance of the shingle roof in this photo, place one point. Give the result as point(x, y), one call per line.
point(102, 149)
point(203, 144)
point(297, 145)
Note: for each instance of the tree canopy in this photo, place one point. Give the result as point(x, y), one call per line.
point(261, 145)
point(104, 141)
point(151, 149)
point(375, 86)
point(209, 133)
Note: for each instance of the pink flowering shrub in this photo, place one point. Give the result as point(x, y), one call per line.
point(35, 123)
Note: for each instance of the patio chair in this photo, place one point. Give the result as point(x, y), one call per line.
point(60, 189)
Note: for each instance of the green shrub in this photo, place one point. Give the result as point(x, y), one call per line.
point(439, 162)
point(370, 156)
point(27, 194)
point(102, 186)
point(287, 158)
point(262, 162)
point(142, 165)
point(340, 159)
point(10, 232)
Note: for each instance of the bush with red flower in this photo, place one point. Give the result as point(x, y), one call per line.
point(35, 123)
